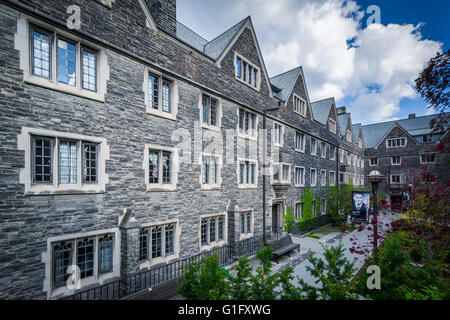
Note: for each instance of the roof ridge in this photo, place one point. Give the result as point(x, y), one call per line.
point(322, 100)
point(227, 30)
point(299, 67)
point(191, 30)
point(373, 124)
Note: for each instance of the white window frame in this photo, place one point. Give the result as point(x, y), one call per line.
point(219, 112)
point(219, 164)
point(217, 243)
point(373, 165)
point(247, 185)
point(296, 214)
point(323, 149)
point(174, 97)
point(276, 142)
point(332, 153)
point(399, 179)
point(332, 181)
point(279, 166)
point(323, 178)
point(176, 245)
point(47, 259)
point(396, 140)
point(303, 143)
point(396, 164)
point(248, 233)
point(303, 177)
point(332, 124)
point(313, 151)
point(311, 177)
point(301, 102)
point(24, 142)
point(428, 154)
point(243, 135)
point(175, 168)
point(249, 64)
point(22, 43)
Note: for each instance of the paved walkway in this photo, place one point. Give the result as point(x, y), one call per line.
point(356, 239)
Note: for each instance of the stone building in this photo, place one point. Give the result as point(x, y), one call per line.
point(128, 141)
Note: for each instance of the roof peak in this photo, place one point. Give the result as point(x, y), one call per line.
point(234, 25)
point(299, 68)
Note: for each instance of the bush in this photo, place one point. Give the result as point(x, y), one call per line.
point(288, 219)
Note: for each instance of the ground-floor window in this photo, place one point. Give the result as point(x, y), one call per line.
point(212, 229)
point(246, 222)
point(298, 211)
point(157, 241)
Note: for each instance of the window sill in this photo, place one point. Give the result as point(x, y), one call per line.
point(212, 128)
point(276, 145)
point(46, 190)
point(300, 151)
point(247, 186)
point(147, 264)
point(299, 185)
point(247, 137)
point(210, 187)
point(245, 236)
point(61, 87)
point(247, 84)
point(161, 188)
point(300, 114)
point(161, 114)
point(208, 247)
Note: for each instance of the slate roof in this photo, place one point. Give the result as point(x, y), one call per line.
point(285, 82)
point(321, 110)
point(373, 133)
point(190, 37)
point(355, 128)
point(343, 121)
point(215, 47)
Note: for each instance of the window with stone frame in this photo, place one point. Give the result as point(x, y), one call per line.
point(298, 211)
point(278, 132)
point(247, 123)
point(313, 177)
point(67, 154)
point(373, 162)
point(160, 167)
point(348, 136)
point(323, 178)
point(209, 111)
point(210, 170)
point(281, 173)
point(299, 105)
point(396, 142)
point(85, 253)
point(396, 160)
point(332, 178)
point(247, 173)
point(246, 72)
point(313, 146)
point(332, 125)
point(300, 176)
point(428, 158)
point(157, 242)
point(323, 149)
point(159, 93)
point(300, 141)
point(332, 152)
point(246, 222)
point(212, 230)
point(395, 178)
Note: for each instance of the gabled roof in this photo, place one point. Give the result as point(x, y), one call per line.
point(285, 82)
point(190, 37)
point(373, 133)
point(215, 47)
point(321, 110)
point(343, 122)
point(356, 128)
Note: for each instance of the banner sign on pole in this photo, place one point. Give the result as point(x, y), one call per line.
point(360, 206)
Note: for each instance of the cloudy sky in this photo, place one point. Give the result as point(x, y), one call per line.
point(369, 68)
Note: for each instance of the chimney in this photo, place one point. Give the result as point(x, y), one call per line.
point(165, 14)
point(412, 116)
point(341, 110)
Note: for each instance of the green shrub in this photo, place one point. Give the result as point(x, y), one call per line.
point(307, 204)
point(288, 219)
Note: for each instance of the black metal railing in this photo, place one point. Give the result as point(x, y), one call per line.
point(313, 223)
point(155, 276)
point(250, 246)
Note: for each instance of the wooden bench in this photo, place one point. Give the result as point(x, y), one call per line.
point(282, 246)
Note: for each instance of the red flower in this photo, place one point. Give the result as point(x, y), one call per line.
point(361, 228)
point(343, 229)
point(440, 146)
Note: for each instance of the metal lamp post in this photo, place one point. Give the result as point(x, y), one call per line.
point(375, 178)
point(264, 168)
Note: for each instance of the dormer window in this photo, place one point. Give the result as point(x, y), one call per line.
point(332, 125)
point(348, 136)
point(246, 72)
point(299, 105)
point(395, 143)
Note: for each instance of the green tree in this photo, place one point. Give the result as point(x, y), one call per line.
point(307, 204)
point(239, 283)
point(264, 282)
point(288, 219)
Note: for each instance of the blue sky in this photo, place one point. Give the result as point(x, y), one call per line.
point(374, 79)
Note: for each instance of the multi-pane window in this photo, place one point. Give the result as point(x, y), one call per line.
point(159, 92)
point(66, 156)
point(299, 105)
point(428, 158)
point(157, 242)
point(300, 141)
point(341, 177)
point(160, 167)
point(247, 172)
point(332, 152)
point(299, 176)
point(313, 146)
point(210, 170)
point(277, 134)
point(348, 136)
point(373, 162)
point(92, 255)
point(323, 177)
point(298, 211)
point(246, 72)
point(332, 125)
point(323, 206)
point(212, 230)
point(397, 142)
point(313, 177)
point(41, 54)
point(281, 173)
point(396, 161)
point(323, 150)
point(246, 222)
point(68, 53)
point(209, 110)
point(395, 178)
point(332, 178)
point(66, 62)
point(247, 123)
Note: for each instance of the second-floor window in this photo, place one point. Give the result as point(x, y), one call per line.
point(209, 111)
point(278, 134)
point(247, 173)
point(323, 178)
point(160, 91)
point(332, 178)
point(299, 176)
point(313, 177)
point(210, 170)
point(428, 158)
point(373, 162)
point(281, 173)
point(395, 178)
point(323, 149)
point(395, 143)
point(299, 141)
point(332, 152)
point(160, 167)
point(76, 64)
point(247, 123)
point(313, 146)
point(396, 160)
